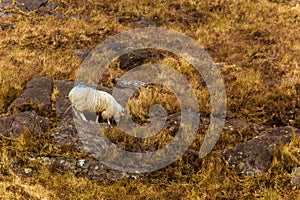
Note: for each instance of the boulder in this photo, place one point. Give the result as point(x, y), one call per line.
point(62, 104)
point(36, 96)
point(13, 126)
point(255, 156)
point(30, 5)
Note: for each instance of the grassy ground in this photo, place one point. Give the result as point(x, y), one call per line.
point(258, 43)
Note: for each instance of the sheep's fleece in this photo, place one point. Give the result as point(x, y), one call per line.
point(87, 99)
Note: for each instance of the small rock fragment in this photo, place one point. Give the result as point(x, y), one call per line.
point(296, 178)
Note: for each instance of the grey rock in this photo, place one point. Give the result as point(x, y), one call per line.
point(142, 23)
point(66, 134)
point(255, 156)
point(296, 178)
point(90, 168)
point(47, 8)
point(37, 96)
point(3, 5)
point(237, 126)
point(82, 53)
point(7, 26)
point(62, 103)
point(138, 57)
point(6, 3)
point(13, 126)
point(23, 172)
point(30, 5)
point(58, 15)
point(3, 13)
point(279, 81)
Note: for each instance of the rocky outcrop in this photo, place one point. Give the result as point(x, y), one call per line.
point(42, 7)
point(14, 125)
point(37, 96)
point(255, 156)
point(30, 5)
point(62, 103)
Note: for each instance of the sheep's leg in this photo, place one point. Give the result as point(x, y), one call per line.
point(106, 115)
point(82, 116)
point(77, 114)
point(97, 118)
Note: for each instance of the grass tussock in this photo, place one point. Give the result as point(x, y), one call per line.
point(256, 42)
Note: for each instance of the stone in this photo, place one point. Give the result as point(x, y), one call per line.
point(36, 96)
point(66, 134)
point(6, 3)
point(30, 5)
point(82, 53)
point(138, 57)
point(296, 178)
point(47, 8)
point(142, 23)
point(13, 126)
point(255, 156)
point(237, 126)
point(7, 26)
point(3, 5)
point(62, 103)
point(93, 169)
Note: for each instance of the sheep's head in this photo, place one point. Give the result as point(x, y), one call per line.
point(119, 112)
point(71, 96)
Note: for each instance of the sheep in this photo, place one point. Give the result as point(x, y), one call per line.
point(87, 99)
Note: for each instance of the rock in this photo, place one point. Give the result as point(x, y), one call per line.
point(296, 178)
point(3, 5)
point(255, 156)
point(88, 167)
point(62, 104)
point(47, 8)
point(13, 126)
point(23, 172)
point(143, 23)
point(280, 81)
point(37, 96)
point(237, 126)
point(4, 14)
point(82, 53)
point(30, 5)
point(6, 3)
point(66, 134)
point(138, 57)
point(7, 26)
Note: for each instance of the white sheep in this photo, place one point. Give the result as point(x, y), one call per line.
point(87, 99)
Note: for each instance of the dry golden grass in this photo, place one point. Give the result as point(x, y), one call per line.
point(257, 41)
